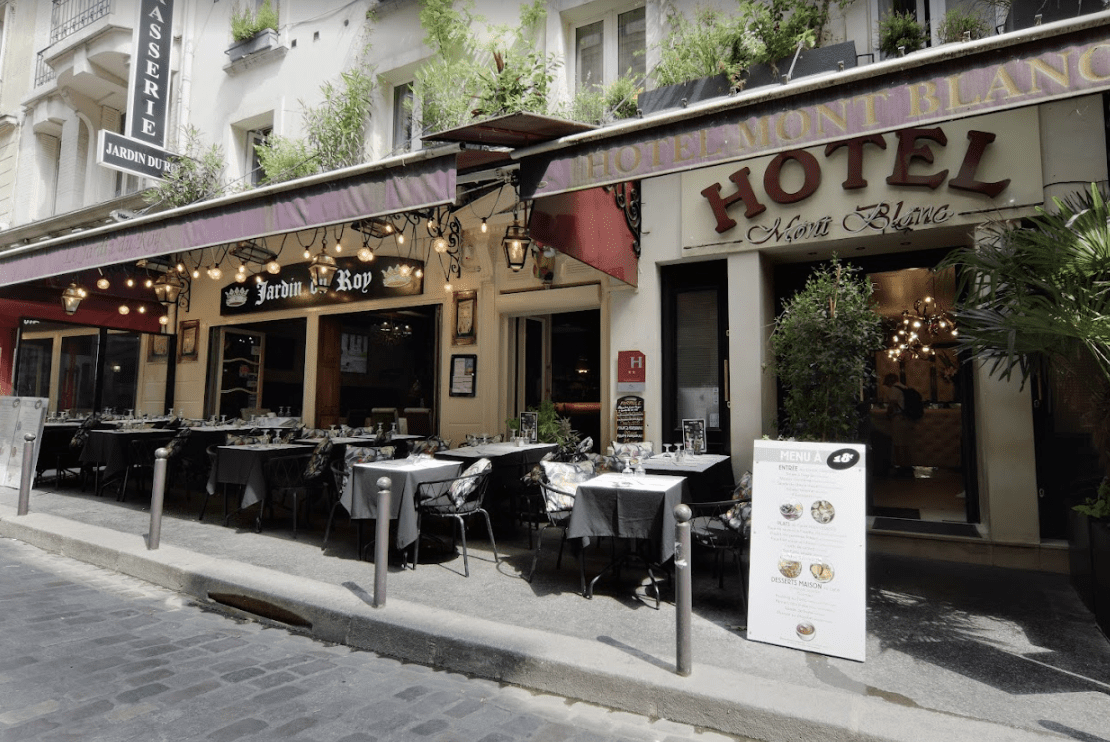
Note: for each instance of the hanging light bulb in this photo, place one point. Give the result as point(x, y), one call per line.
point(130, 282)
point(180, 267)
point(307, 254)
point(485, 227)
point(258, 278)
point(240, 278)
point(164, 320)
point(448, 288)
point(148, 283)
point(273, 267)
point(400, 238)
point(103, 283)
point(142, 309)
point(366, 254)
point(439, 244)
point(419, 273)
point(124, 309)
point(196, 272)
point(215, 273)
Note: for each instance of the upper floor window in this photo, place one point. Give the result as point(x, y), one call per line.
point(255, 137)
point(402, 117)
point(609, 47)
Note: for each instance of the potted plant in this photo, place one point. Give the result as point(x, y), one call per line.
point(959, 23)
point(1036, 305)
point(252, 30)
point(700, 59)
point(900, 33)
point(824, 344)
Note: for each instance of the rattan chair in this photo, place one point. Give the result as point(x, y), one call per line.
point(557, 506)
point(457, 498)
point(710, 527)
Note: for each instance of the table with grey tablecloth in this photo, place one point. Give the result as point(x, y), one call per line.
point(621, 506)
point(112, 449)
point(708, 475)
point(361, 491)
point(246, 465)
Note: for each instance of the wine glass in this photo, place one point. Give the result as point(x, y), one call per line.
point(627, 459)
point(667, 450)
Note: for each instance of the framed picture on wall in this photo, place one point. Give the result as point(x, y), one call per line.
point(466, 317)
point(188, 338)
point(464, 372)
point(159, 347)
point(530, 426)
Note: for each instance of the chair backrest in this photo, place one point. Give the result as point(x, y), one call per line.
point(566, 476)
point(419, 420)
point(384, 415)
point(556, 500)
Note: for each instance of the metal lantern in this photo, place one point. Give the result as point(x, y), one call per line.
point(516, 242)
point(71, 297)
point(167, 288)
point(322, 268)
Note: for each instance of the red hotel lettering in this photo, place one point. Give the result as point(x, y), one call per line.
point(907, 152)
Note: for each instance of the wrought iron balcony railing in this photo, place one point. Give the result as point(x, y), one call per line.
point(70, 16)
point(44, 73)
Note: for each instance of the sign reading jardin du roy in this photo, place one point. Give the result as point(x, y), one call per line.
point(353, 281)
point(904, 180)
point(142, 151)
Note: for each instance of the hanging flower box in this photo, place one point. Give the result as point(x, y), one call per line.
point(265, 39)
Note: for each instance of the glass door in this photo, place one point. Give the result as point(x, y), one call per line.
point(239, 372)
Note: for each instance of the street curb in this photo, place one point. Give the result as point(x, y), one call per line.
point(598, 672)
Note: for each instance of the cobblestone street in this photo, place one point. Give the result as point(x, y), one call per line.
point(87, 654)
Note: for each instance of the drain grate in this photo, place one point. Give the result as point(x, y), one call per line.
point(260, 608)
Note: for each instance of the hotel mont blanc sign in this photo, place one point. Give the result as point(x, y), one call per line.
point(959, 172)
point(353, 281)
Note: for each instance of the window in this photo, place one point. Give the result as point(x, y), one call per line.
point(610, 46)
point(254, 164)
point(402, 117)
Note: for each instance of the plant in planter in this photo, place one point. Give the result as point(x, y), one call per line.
point(900, 31)
point(603, 105)
point(958, 21)
point(196, 175)
point(706, 46)
point(824, 344)
point(1036, 305)
point(246, 22)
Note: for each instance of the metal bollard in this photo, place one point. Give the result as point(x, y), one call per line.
point(381, 540)
point(27, 475)
point(682, 589)
point(157, 496)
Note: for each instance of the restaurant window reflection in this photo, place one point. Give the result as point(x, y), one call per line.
point(77, 373)
point(121, 371)
point(33, 369)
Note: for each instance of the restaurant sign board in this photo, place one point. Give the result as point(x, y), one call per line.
point(353, 281)
point(807, 586)
point(19, 416)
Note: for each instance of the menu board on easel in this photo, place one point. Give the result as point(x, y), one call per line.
point(630, 419)
point(808, 583)
point(19, 416)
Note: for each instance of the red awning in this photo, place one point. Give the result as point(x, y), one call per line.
point(599, 226)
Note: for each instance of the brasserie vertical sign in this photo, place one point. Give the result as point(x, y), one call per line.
point(142, 150)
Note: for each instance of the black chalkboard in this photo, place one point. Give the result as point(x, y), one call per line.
point(630, 419)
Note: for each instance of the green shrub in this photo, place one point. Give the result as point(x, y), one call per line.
point(900, 30)
point(282, 159)
point(596, 105)
point(245, 22)
point(957, 21)
point(703, 47)
point(195, 175)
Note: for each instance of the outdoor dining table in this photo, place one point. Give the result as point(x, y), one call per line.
point(112, 449)
point(360, 494)
point(628, 507)
point(245, 465)
point(510, 463)
point(708, 475)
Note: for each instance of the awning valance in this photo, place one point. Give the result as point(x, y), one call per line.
point(390, 186)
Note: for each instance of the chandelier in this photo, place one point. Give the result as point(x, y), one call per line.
point(919, 330)
point(391, 332)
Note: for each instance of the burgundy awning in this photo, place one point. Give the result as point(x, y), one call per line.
point(599, 226)
point(399, 184)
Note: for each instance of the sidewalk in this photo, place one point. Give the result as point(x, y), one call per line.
point(954, 651)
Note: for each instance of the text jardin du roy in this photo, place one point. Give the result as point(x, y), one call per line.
point(344, 281)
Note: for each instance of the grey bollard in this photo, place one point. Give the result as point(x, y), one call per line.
point(27, 475)
point(381, 540)
point(157, 496)
point(682, 589)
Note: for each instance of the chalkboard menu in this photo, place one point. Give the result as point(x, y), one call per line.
point(630, 419)
point(18, 416)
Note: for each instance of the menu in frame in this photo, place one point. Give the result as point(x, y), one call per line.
point(808, 580)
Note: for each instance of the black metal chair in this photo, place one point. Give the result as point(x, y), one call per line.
point(285, 479)
point(557, 506)
point(140, 460)
point(458, 499)
point(718, 526)
point(212, 453)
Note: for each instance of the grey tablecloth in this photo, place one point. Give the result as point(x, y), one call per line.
point(361, 493)
point(245, 465)
point(110, 448)
point(644, 509)
point(709, 476)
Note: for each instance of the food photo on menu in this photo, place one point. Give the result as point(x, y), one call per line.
point(822, 511)
point(790, 510)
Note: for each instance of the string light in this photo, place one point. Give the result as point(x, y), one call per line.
point(366, 254)
point(124, 309)
point(273, 267)
point(163, 320)
point(103, 284)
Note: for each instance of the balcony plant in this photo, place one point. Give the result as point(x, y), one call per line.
point(1036, 306)
point(900, 32)
point(824, 343)
point(595, 104)
point(252, 30)
point(195, 175)
point(959, 21)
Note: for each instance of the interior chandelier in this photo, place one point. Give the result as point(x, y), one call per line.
point(918, 331)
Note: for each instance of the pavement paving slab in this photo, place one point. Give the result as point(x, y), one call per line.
point(954, 651)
